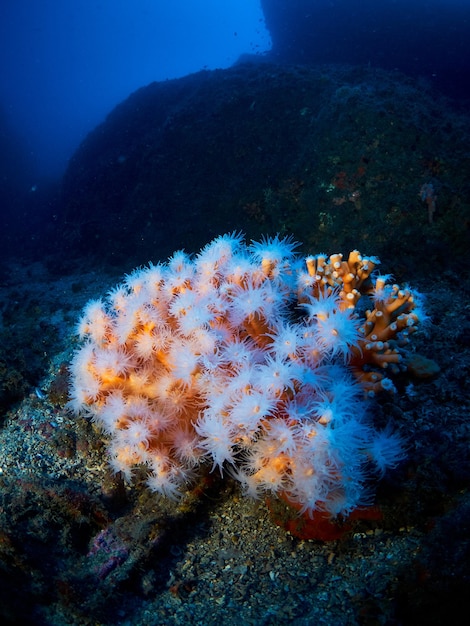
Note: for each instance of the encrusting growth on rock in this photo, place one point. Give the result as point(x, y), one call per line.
point(252, 360)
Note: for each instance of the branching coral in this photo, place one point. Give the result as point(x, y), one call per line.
point(384, 330)
point(246, 357)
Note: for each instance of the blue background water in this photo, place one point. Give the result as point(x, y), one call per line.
point(66, 64)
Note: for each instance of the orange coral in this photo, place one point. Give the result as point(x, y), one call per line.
point(212, 360)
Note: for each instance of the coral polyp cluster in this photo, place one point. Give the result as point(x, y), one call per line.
point(246, 358)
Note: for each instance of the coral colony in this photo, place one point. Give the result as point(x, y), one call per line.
point(252, 360)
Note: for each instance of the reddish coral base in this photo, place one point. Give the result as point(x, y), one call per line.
point(320, 525)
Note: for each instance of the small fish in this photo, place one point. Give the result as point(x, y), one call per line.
point(40, 394)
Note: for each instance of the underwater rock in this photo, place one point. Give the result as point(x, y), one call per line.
point(337, 156)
